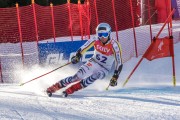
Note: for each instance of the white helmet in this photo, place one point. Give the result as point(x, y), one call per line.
point(103, 28)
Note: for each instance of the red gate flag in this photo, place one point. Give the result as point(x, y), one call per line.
point(160, 47)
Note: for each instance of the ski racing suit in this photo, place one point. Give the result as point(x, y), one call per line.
point(99, 65)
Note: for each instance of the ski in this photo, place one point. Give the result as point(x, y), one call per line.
point(63, 95)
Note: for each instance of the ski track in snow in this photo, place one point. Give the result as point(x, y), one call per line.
point(151, 103)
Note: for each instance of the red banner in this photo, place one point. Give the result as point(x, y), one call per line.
point(159, 48)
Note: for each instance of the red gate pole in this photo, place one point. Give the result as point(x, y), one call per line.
point(114, 13)
point(70, 19)
point(168, 18)
point(52, 18)
point(173, 66)
point(168, 10)
point(132, 71)
point(173, 60)
point(35, 21)
point(132, 16)
point(20, 32)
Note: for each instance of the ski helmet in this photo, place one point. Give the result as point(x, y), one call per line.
point(103, 30)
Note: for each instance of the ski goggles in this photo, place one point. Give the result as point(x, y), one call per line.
point(103, 34)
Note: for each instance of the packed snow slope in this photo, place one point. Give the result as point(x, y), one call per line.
point(149, 95)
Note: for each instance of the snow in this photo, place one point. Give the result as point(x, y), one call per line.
point(147, 102)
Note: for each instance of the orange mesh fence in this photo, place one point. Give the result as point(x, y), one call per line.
point(61, 20)
point(27, 24)
point(69, 20)
point(101, 11)
point(8, 25)
point(44, 22)
point(76, 28)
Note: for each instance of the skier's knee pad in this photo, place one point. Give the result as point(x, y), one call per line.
point(98, 75)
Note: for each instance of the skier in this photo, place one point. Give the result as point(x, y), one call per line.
point(107, 50)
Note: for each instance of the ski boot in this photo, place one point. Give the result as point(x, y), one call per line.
point(72, 89)
point(53, 89)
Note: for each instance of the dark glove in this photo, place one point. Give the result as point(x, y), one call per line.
point(75, 59)
point(113, 81)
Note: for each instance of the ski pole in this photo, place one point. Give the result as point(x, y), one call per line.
point(107, 87)
point(45, 73)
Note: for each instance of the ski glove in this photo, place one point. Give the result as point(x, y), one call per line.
point(75, 59)
point(113, 81)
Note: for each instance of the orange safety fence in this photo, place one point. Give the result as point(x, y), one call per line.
point(44, 22)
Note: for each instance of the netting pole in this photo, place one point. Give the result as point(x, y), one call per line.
point(132, 16)
point(70, 19)
point(20, 32)
point(80, 18)
point(149, 14)
point(35, 21)
point(1, 72)
point(88, 17)
point(95, 7)
point(114, 13)
point(52, 18)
